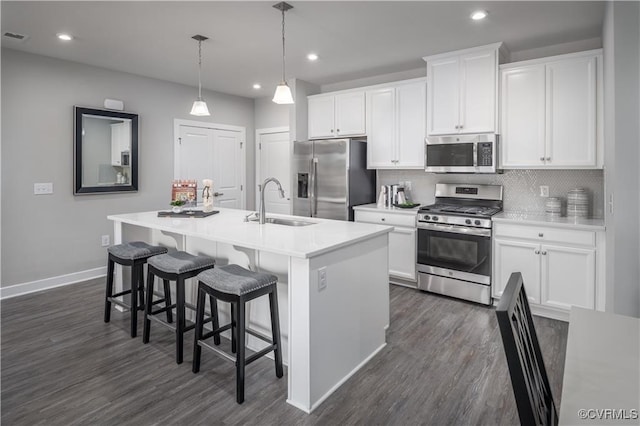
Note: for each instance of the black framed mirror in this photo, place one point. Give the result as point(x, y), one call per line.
point(105, 151)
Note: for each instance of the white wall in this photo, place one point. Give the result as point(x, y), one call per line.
point(51, 235)
point(269, 114)
point(621, 39)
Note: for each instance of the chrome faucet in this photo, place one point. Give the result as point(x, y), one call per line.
point(262, 214)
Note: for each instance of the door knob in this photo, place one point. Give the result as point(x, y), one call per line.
point(537, 252)
point(218, 194)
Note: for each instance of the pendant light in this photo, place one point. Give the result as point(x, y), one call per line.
point(283, 92)
point(199, 107)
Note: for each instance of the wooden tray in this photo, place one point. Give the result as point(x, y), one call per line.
point(187, 213)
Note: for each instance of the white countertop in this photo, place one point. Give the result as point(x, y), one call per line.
point(229, 227)
point(395, 210)
point(541, 219)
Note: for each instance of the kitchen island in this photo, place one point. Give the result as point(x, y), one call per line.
point(333, 286)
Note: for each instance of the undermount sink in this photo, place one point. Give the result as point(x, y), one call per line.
point(286, 222)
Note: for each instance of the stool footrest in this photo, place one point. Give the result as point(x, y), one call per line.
point(171, 326)
point(119, 302)
point(122, 293)
point(216, 350)
point(216, 331)
point(248, 360)
point(259, 335)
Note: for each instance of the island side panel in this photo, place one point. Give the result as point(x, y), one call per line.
point(342, 325)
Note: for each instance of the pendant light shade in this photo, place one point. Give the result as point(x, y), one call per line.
point(283, 92)
point(199, 107)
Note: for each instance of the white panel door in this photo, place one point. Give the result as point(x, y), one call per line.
point(205, 153)
point(195, 155)
point(571, 113)
point(443, 96)
point(350, 114)
point(321, 117)
point(568, 277)
point(478, 93)
point(516, 256)
point(411, 104)
point(523, 116)
point(227, 179)
point(274, 156)
point(381, 151)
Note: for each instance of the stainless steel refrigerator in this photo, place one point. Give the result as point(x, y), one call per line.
point(330, 177)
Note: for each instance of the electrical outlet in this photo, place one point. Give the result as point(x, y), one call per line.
point(43, 188)
point(105, 241)
point(544, 190)
point(407, 185)
point(322, 278)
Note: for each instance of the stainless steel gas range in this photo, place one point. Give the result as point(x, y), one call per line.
point(454, 241)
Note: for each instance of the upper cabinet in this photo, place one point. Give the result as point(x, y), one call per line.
point(462, 90)
point(336, 115)
point(551, 111)
point(396, 125)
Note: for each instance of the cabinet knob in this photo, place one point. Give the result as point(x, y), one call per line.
point(548, 158)
point(544, 253)
point(337, 130)
point(541, 158)
point(382, 219)
point(537, 252)
point(331, 130)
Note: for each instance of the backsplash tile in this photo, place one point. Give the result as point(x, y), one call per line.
point(521, 187)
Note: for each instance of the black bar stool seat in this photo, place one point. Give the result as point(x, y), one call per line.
point(176, 266)
point(236, 285)
point(135, 255)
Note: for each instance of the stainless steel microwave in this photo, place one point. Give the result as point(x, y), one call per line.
point(462, 153)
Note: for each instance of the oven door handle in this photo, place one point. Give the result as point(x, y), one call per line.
point(466, 230)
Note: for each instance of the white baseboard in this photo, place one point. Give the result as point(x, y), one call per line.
point(47, 283)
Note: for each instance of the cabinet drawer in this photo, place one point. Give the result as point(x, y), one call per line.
point(545, 234)
point(385, 218)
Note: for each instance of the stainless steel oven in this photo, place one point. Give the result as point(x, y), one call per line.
point(454, 241)
point(455, 260)
point(462, 154)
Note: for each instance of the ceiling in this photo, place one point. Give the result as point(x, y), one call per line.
point(354, 39)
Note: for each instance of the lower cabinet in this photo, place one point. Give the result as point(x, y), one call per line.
point(558, 266)
point(402, 242)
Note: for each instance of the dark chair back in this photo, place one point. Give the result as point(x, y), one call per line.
point(526, 366)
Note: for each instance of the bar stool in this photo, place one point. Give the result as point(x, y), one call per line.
point(135, 255)
point(177, 266)
point(236, 285)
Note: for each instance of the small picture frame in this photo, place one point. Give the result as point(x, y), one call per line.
point(185, 190)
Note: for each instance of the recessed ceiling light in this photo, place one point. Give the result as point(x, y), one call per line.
point(478, 15)
point(65, 36)
point(257, 86)
point(312, 57)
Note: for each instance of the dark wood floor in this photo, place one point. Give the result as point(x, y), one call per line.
point(444, 364)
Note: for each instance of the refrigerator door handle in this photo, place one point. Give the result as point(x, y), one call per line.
point(314, 187)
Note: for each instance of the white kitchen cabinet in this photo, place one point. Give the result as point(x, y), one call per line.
point(336, 115)
point(396, 125)
point(550, 112)
point(120, 141)
point(558, 265)
point(462, 91)
point(402, 241)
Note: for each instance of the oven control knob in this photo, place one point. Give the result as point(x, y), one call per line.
point(468, 221)
point(426, 217)
point(434, 218)
point(477, 223)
